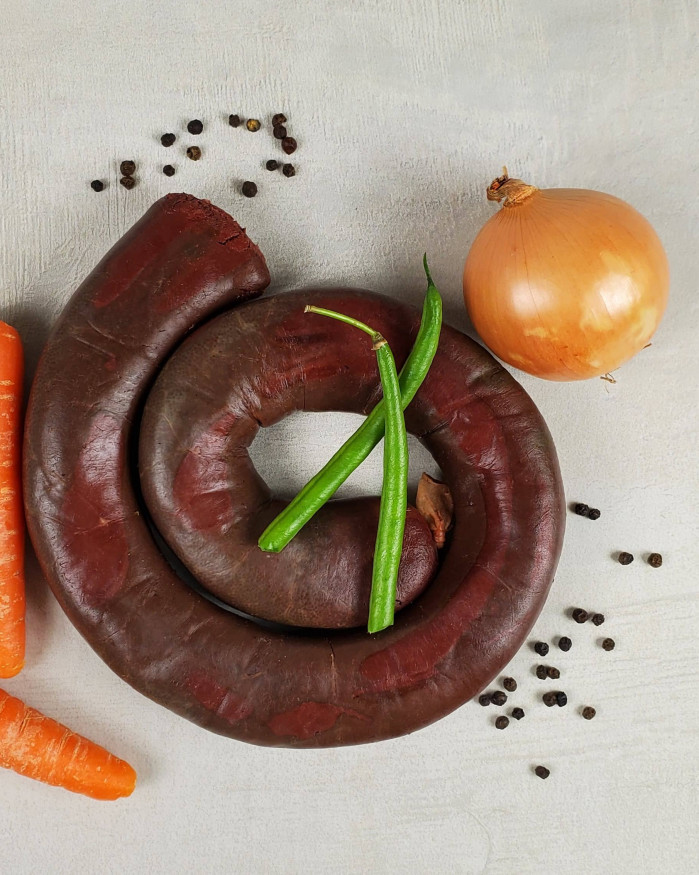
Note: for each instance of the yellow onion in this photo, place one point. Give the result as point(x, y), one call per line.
point(564, 283)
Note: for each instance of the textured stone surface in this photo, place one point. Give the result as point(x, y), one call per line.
point(404, 111)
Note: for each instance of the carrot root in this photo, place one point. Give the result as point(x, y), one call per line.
point(43, 749)
point(12, 600)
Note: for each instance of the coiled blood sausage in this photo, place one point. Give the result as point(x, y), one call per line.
point(184, 260)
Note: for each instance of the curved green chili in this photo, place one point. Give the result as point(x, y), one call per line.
point(323, 485)
point(394, 491)
point(394, 497)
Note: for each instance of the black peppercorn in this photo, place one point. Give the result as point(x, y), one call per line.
point(553, 673)
point(234, 120)
point(510, 684)
point(598, 619)
point(625, 558)
point(502, 723)
point(169, 170)
point(655, 560)
point(564, 643)
point(541, 672)
point(249, 189)
point(288, 170)
point(279, 132)
point(542, 772)
point(517, 713)
point(97, 185)
point(278, 119)
point(593, 514)
point(579, 615)
point(128, 182)
point(195, 126)
point(581, 509)
point(484, 700)
point(549, 699)
point(561, 699)
point(168, 139)
point(272, 164)
point(289, 145)
point(541, 647)
point(253, 124)
point(127, 168)
point(608, 644)
point(498, 698)
point(194, 152)
point(588, 712)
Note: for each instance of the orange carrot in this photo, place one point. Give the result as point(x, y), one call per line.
point(11, 513)
point(41, 748)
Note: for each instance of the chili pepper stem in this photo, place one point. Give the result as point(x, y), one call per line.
point(348, 320)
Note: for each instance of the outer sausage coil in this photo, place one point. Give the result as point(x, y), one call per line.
point(180, 263)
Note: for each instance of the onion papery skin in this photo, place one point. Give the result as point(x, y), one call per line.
point(565, 284)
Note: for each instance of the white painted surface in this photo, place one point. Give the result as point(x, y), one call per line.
point(404, 111)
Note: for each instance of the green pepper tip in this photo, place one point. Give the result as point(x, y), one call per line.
point(430, 281)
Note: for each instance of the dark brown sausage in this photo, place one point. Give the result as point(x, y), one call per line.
point(220, 670)
point(210, 505)
point(321, 580)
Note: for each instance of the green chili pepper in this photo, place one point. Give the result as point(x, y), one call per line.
point(394, 492)
point(394, 497)
point(355, 450)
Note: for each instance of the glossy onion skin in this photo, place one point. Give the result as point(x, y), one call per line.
point(220, 670)
point(566, 284)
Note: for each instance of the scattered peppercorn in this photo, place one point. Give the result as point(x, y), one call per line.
point(625, 558)
point(541, 647)
point(498, 698)
point(593, 514)
point(517, 713)
point(97, 185)
point(289, 145)
point(279, 132)
point(127, 168)
point(598, 619)
point(278, 119)
point(564, 643)
point(542, 672)
point(561, 699)
point(128, 182)
point(484, 700)
point(272, 164)
point(168, 139)
point(288, 170)
point(549, 699)
point(655, 560)
point(510, 684)
point(608, 644)
point(195, 126)
point(581, 509)
point(253, 124)
point(194, 152)
point(542, 772)
point(579, 615)
point(249, 189)
point(502, 722)
point(553, 673)
point(234, 120)
point(169, 170)
point(588, 712)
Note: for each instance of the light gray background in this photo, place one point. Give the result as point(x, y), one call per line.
point(404, 111)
